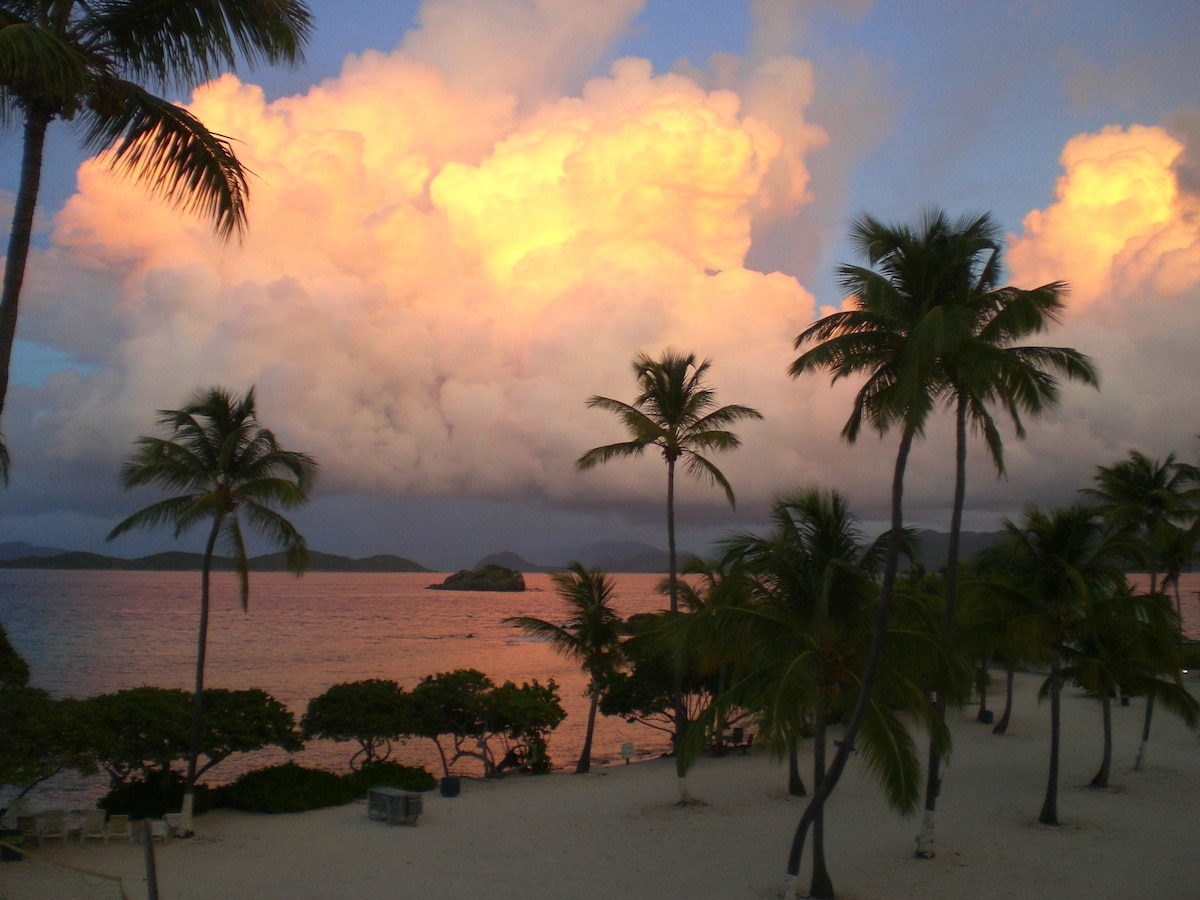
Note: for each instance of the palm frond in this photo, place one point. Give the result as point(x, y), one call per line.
point(169, 151)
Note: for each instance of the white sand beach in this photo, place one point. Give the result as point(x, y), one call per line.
point(617, 832)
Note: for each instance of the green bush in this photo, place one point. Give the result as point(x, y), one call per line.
point(293, 788)
point(152, 797)
point(391, 774)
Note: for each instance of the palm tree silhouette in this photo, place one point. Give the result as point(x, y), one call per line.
point(676, 412)
point(226, 466)
point(591, 635)
point(87, 63)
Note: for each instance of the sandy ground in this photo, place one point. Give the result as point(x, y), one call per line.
point(618, 833)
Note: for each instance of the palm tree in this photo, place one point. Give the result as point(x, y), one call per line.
point(903, 316)
point(798, 647)
point(676, 412)
point(87, 63)
point(1129, 641)
point(224, 465)
point(591, 635)
point(984, 366)
point(1054, 567)
point(1148, 498)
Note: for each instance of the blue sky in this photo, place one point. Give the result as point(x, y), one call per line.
point(443, 448)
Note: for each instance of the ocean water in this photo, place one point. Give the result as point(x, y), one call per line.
point(87, 633)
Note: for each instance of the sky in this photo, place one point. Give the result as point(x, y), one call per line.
point(468, 216)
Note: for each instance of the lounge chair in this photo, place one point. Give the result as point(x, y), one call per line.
point(29, 828)
point(54, 824)
point(155, 830)
point(118, 827)
point(93, 826)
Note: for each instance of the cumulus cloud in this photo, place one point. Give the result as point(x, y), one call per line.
point(438, 274)
point(453, 245)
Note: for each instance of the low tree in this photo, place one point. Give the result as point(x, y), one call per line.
point(521, 719)
point(373, 713)
point(41, 736)
point(590, 635)
point(139, 733)
point(468, 708)
point(14, 671)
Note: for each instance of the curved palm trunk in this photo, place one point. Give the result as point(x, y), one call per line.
point(795, 782)
point(981, 682)
point(189, 789)
point(870, 671)
point(681, 719)
point(585, 758)
point(1009, 673)
point(822, 884)
point(1101, 779)
point(19, 238)
point(1049, 813)
point(933, 781)
point(1141, 754)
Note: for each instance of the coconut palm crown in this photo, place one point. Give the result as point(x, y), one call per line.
point(97, 65)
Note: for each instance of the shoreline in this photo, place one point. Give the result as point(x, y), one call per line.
point(619, 832)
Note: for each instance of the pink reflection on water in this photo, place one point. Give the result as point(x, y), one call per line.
point(1188, 598)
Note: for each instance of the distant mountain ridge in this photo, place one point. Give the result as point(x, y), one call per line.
point(180, 561)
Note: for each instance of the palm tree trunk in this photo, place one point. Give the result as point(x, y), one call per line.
point(822, 884)
point(1049, 814)
point(681, 722)
point(36, 122)
point(870, 670)
point(585, 758)
point(933, 781)
point(1009, 674)
point(795, 782)
point(189, 785)
point(1141, 754)
point(1101, 779)
point(981, 682)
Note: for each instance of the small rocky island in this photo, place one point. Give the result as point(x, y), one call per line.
point(489, 578)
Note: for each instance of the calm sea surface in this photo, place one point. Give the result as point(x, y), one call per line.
point(88, 633)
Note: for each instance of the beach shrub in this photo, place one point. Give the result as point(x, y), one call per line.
point(293, 788)
point(286, 788)
point(390, 774)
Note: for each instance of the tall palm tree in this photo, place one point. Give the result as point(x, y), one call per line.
point(1053, 568)
point(224, 466)
point(983, 366)
point(1148, 498)
point(676, 412)
point(799, 646)
point(903, 315)
point(89, 63)
point(591, 635)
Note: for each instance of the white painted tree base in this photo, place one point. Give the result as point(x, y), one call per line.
point(925, 838)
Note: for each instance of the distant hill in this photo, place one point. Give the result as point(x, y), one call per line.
point(20, 549)
point(608, 556)
point(179, 561)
